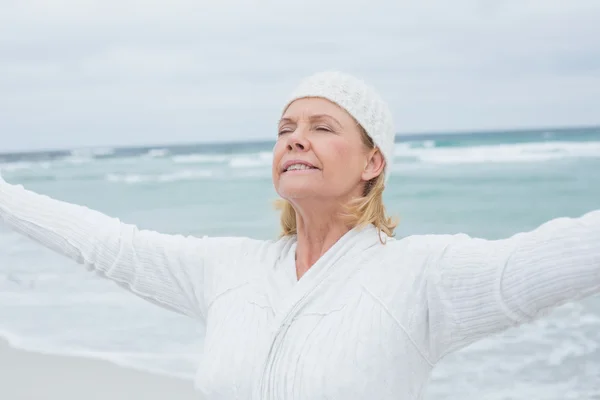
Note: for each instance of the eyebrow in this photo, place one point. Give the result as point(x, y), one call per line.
point(313, 118)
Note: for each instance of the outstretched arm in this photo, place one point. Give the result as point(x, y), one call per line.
point(168, 270)
point(478, 287)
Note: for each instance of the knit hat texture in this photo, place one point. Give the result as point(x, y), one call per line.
point(360, 100)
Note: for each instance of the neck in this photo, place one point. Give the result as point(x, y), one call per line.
point(318, 229)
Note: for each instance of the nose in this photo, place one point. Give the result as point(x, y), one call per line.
point(298, 140)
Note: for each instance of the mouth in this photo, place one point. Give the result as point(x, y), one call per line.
point(298, 166)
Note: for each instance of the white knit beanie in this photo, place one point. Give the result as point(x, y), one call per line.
point(359, 100)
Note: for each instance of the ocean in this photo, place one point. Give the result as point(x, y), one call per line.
point(486, 184)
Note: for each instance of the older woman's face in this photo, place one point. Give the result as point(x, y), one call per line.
point(319, 152)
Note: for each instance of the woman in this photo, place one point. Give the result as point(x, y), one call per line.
point(335, 308)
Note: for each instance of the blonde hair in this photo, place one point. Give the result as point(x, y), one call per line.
point(359, 212)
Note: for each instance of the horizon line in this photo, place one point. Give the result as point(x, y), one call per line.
point(260, 141)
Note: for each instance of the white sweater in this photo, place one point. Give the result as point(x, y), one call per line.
point(367, 321)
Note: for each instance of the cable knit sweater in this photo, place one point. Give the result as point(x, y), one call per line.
point(367, 321)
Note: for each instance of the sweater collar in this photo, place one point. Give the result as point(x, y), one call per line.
point(287, 292)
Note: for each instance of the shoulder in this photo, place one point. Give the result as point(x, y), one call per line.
point(397, 273)
point(231, 261)
point(413, 252)
point(244, 250)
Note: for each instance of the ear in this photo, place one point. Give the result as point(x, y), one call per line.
point(375, 165)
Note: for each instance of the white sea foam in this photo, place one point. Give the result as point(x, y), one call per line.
point(16, 166)
point(86, 155)
point(261, 159)
point(20, 166)
point(78, 160)
point(500, 153)
point(182, 175)
point(91, 152)
point(156, 153)
point(200, 158)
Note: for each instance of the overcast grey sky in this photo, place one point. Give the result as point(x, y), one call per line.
point(82, 73)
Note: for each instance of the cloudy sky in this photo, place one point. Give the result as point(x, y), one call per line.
point(86, 73)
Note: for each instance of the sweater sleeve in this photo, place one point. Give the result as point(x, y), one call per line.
point(167, 270)
point(477, 287)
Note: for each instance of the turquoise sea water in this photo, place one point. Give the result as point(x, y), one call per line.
point(489, 185)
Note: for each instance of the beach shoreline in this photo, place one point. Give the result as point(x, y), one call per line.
point(28, 375)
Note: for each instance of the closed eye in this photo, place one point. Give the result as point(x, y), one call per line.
point(284, 131)
point(324, 128)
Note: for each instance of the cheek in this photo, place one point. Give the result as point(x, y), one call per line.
point(342, 156)
point(275, 167)
point(278, 151)
point(337, 151)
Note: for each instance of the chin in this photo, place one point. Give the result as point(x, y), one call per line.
point(298, 190)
